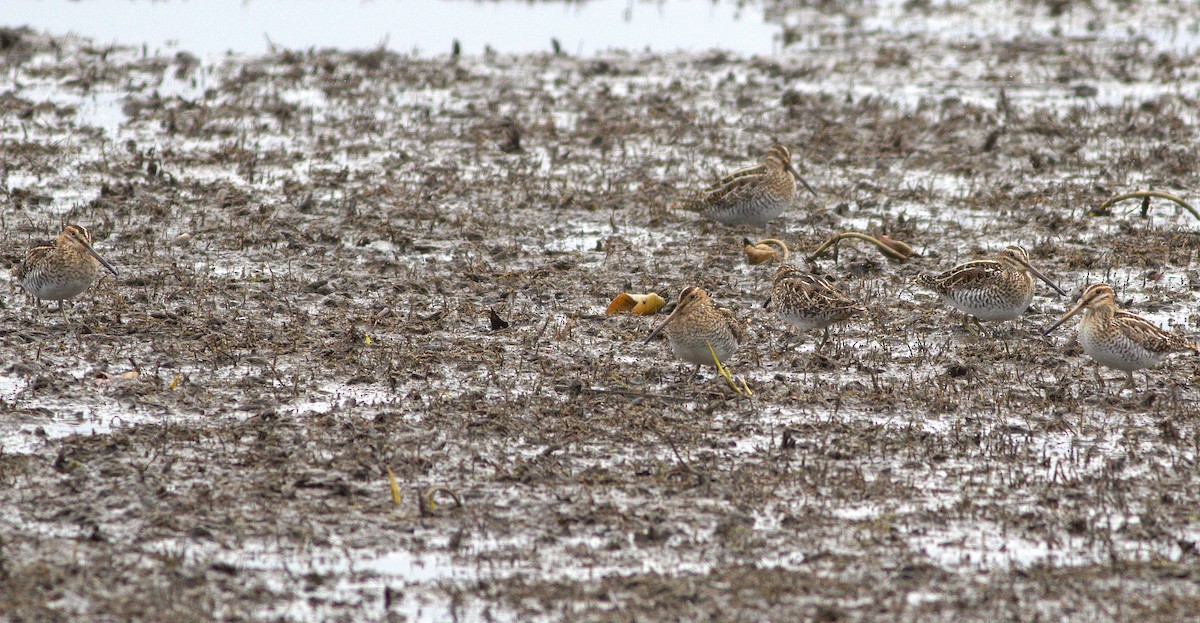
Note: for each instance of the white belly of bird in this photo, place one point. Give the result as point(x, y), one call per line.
point(987, 304)
point(756, 209)
point(805, 322)
point(1117, 351)
point(57, 289)
point(694, 349)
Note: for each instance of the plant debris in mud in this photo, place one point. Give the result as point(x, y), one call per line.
point(343, 268)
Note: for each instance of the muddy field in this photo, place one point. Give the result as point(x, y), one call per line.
point(311, 243)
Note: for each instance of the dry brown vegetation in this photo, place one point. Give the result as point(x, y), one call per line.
point(311, 242)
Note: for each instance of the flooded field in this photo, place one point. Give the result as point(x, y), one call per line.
point(312, 243)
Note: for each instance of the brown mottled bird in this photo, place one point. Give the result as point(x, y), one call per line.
point(808, 301)
point(1119, 339)
point(753, 195)
point(63, 270)
point(999, 289)
point(697, 323)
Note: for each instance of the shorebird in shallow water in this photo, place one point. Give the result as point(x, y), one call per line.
point(697, 323)
point(1119, 339)
point(753, 195)
point(63, 270)
point(808, 301)
point(999, 289)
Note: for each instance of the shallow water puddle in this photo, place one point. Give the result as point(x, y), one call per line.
point(978, 544)
point(882, 453)
point(429, 26)
point(975, 20)
point(411, 579)
point(592, 237)
point(36, 422)
point(335, 396)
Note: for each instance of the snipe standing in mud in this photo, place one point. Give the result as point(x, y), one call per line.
point(808, 301)
point(999, 289)
point(695, 324)
point(753, 195)
point(63, 270)
point(1119, 339)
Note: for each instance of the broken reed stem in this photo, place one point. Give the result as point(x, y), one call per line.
point(1144, 194)
point(853, 235)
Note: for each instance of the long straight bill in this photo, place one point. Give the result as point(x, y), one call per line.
point(1037, 273)
point(102, 261)
point(662, 325)
point(793, 171)
point(1065, 317)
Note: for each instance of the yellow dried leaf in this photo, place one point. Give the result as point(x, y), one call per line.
point(765, 250)
point(395, 487)
point(132, 374)
point(757, 254)
point(623, 303)
point(648, 304)
point(640, 304)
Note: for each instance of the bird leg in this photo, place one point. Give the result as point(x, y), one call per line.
point(824, 339)
point(1129, 384)
point(971, 325)
point(62, 309)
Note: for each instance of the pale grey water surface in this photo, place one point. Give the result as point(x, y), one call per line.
point(427, 26)
point(222, 433)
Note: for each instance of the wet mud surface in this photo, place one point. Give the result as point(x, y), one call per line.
point(311, 243)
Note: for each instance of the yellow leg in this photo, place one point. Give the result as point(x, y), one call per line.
point(744, 390)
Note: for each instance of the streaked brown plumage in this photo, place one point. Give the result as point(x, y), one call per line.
point(1119, 339)
point(753, 195)
point(808, 301)
point(696, 323)
point(63, 270)
point(999, 289)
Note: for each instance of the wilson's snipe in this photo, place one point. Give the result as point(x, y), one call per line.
point(1119, 339)
point(808, 301)
point(753, 195)
point(63, 270)
point(999, 289)
point(697, 323)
